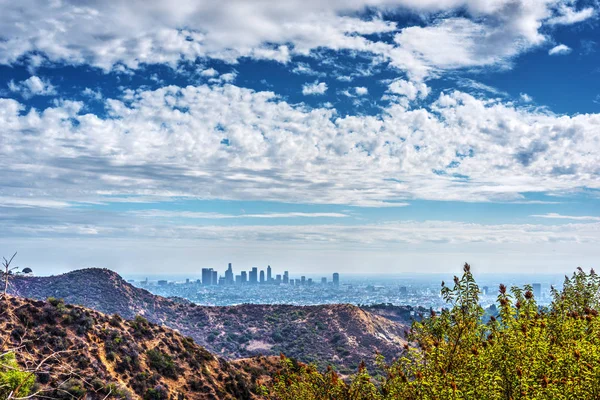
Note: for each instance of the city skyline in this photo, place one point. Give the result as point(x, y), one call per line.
point(254, 276)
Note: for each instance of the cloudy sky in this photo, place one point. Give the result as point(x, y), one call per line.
point(378, 136)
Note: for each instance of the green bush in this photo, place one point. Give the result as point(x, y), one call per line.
point(163, 363)
point(157, 393)
point(13, 379)
point(527, 352)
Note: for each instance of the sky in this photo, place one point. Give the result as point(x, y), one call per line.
point(357, 136)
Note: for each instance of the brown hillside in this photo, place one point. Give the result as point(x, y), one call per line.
point(340, 334)
point(101, 356)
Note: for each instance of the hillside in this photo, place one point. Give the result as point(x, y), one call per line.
point(342, 335)
point(104, 356)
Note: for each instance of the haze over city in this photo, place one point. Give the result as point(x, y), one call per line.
point(384, 137)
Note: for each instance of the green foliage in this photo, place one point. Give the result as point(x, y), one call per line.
point(13, 379)
point(157, 393)
point(162, 362)
point(59, 303)
point(527, 352)
point(141, 326)
point(301, 381)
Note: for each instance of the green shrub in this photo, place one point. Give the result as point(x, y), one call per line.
point(13, 379)
point(157, 393)
point(163, 363)
point(527, 352)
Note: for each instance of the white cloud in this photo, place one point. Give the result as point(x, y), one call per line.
point(559, 50)
point(147, 225)
point(212, 215)
point(228, 77)
point(570, 217)
point(411, 90)
point(361, 91)
point(305, 69)
point(233, 143)
point(568, 16)
point(481, 87)
point(210, 72)
point(525, 98)
point(315, 88)
point(124, 34)
point(33, 86)
point(441, 247)
point(93, 94)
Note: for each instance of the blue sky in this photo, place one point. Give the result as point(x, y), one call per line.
point(348, 136)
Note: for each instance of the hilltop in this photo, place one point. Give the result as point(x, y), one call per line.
point(102, 356)
point(341, 335)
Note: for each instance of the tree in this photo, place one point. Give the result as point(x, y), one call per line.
point(9, 271)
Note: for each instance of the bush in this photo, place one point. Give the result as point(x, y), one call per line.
point(163, 363)
point(527, 352)
point(141, 326)
point(12, 379)
point(72, 389)
point(157, 393)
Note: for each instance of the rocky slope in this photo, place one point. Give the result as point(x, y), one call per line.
point(97, 356)
point(339, 334)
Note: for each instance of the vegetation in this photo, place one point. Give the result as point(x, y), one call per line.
point(527, 352)
point(162, 362)
point(14, 382)
point(49, 349)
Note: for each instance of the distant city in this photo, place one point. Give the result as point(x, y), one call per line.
point(267, 286)
point(210, 277)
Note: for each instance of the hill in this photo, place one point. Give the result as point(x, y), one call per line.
point(342, 335)
point(93, 355)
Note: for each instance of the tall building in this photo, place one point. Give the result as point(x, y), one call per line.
point(229, 280)
point(244, 277)
point(278, 279)
point(302, 280)
point(323, 281)
point(537, 291)
point(403, 291)
point(262, 276)
point(286, 277)
point(269, 276)
point(253, 276)
point(207, 276)
point(215, 277)
point(336, 279)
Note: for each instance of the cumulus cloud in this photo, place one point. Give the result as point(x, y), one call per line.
point(125, 34)
point(33, 86)
point(559, 50)
point(410, 90)
point(92, 94)
point(361, 91)
point(210, 72)
point(315, 88)
point(226, 142)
